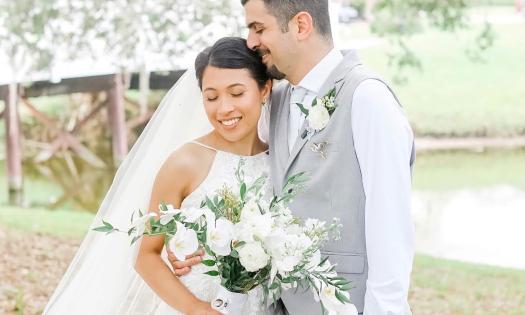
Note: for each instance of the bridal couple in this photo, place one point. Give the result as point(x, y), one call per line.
point(359, 156)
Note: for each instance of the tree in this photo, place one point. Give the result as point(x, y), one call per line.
point(134, 32)
point(398, 20)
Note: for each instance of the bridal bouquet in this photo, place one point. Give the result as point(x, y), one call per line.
point(251, 243)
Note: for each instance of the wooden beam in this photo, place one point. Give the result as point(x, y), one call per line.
point(13, 145)
point(69, 86)
point(117, 120)
point(162, 80)
point(64, 139)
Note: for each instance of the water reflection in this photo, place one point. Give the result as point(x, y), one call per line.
point(485, 225)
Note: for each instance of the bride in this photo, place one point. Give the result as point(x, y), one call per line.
point(165, 166)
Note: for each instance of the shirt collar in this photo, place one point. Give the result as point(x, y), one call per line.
point(314, 80)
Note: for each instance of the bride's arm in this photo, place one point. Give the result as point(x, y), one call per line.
point(170, 186)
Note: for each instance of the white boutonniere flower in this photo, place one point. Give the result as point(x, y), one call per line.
point(320, 112)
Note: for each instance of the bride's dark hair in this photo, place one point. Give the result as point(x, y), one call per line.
point(231, 53)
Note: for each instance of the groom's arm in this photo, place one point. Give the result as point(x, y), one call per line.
point(383, 141)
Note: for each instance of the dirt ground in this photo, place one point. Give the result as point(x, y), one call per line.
point(31, 266)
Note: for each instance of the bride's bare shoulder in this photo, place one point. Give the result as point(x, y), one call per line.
point(186, 166)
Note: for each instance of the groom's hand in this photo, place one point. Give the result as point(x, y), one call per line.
point(180, 268)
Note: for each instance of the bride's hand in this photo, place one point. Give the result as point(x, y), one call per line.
point(180, 268)
point(203, 308)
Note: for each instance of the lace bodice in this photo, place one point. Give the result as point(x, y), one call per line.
point(222, 172)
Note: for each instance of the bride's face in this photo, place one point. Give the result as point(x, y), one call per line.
point(233, 101)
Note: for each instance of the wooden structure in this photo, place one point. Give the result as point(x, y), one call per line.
point(114, 85)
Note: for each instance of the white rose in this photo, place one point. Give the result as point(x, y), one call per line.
point(219, 235)
point(254, 227)
point(287, 250)
point(318, 117)
point(252, 256)
point(184, 242)
point(249, 210)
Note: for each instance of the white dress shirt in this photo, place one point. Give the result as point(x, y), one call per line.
point(309, 87)
point(383, 142)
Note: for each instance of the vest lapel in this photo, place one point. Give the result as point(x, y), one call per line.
point(281, 132)
point(336, 79)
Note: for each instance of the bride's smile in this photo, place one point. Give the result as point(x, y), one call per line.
point(230, 123)
point(233, 102)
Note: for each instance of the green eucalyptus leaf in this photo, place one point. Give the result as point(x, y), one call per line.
point(243, 191)
point(209, 262)
point(302, 109)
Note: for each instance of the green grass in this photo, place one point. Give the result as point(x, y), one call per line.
point(464, 169)
point(454, 96)
point(64, 223)
point(450, 287)
point(438, 286)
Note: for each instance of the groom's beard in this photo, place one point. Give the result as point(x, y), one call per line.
point(274, 73)
point(272, 70)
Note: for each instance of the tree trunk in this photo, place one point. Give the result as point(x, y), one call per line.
point(143, 89)
point(369, 10)
point(117, 120)
point(13, 145)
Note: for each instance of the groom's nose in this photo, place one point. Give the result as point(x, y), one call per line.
point(253, 40)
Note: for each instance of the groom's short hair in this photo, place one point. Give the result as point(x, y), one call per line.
point(285, 10)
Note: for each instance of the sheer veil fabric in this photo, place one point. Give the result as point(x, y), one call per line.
point(101, 278)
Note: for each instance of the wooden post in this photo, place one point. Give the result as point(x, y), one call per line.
point(143, 89)
point(117, 119)
point(13, 145)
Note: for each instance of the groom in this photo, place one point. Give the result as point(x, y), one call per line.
point(358, 152)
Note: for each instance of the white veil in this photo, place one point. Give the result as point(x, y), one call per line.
point(101, 278)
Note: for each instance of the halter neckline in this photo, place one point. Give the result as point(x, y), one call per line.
point(231, 153)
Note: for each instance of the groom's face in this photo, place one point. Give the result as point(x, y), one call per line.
point(266, 37)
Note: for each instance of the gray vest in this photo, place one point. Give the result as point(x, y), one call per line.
point(335, 187)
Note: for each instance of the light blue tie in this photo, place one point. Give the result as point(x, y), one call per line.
point(295, 120)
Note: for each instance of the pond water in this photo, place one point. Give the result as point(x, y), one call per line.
point(475, 225)
point(471, 207)
point(467, 206)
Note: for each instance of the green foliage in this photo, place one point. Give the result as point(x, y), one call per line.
point(478, 99)
point(128, 31)
point(449, 171)
point(398, 20)
point(152, 27)
point(62, 223)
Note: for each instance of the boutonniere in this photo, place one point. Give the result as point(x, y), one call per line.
point(320, 112)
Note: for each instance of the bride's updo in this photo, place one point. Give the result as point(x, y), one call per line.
point(231, 53)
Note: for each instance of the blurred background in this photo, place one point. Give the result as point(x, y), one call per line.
point(79, 80)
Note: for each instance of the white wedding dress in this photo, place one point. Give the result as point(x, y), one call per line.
point(222, 173)
point(101, 279)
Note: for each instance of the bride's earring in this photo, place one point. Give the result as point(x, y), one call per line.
point(264, 102)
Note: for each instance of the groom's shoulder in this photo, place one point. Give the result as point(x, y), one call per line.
point(357, 76)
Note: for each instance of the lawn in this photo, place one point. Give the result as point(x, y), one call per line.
point(438, 286)
point(453, 170)
point(453, 96)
